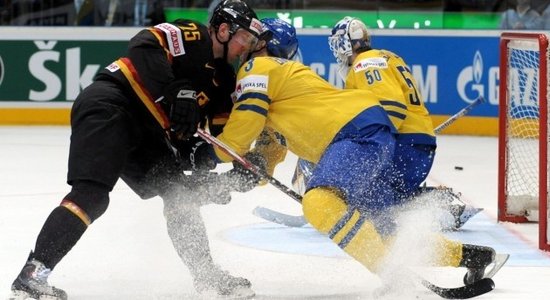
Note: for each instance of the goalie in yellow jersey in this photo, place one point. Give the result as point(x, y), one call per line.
point(386, 73)
point(347, 134)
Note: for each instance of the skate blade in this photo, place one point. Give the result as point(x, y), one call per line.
point(466, 215)
point(496, 265)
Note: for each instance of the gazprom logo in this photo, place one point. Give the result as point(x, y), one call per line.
point(478, 67)
point(469, 84)
point(1, 70)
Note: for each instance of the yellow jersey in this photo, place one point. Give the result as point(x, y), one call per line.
point(386, 74)
point(294, 101)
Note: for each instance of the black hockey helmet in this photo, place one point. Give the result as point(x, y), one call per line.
point(237, 14)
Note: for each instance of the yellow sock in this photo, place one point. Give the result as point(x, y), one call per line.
point(449, 253)
point(329, 214)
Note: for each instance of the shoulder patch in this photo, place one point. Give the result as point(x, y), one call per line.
point(113, 67)
point(173, 37)
point(371, 62)
point(250, 83)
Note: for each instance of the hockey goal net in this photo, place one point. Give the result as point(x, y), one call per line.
point(523, 131)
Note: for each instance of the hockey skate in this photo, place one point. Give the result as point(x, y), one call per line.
point(222, 285)
point(450, 202)
point(32, 283)
point(462, 213)
point(476, 259)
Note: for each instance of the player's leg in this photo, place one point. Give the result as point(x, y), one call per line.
point(327, 212)
point(95, 161)
point(474, 258)
point(412, 163)
point(345, 185)
point(336, 205)
point(153, 170)
point(302, 175)
point(352, 231)
point(187, 231)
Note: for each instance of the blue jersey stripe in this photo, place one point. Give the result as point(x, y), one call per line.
point(259, 96)
point(396, 114)
point(255, 108)
point(393, 103)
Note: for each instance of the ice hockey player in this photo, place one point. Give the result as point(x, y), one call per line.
point(384, 72)
point(347, 134)
point(133, 122)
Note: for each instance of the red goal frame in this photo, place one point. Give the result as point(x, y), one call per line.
point(503, 214)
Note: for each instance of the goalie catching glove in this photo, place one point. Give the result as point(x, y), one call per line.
point(184, 109)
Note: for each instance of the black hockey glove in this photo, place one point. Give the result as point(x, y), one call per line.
point(196, 155)
point(201, 156)
point(244, 179)
point(184, 111)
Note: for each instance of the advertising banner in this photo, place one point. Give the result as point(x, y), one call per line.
point(452, 68)
point(451, 71)
point(52, 70)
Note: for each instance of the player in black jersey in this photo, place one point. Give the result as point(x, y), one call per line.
point(135, 122)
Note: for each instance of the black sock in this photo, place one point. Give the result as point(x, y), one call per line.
point(59, 234)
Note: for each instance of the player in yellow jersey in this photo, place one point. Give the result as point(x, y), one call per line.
point(386, 73)
point(347, 134)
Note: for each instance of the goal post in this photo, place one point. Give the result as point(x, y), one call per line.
point(523, 131)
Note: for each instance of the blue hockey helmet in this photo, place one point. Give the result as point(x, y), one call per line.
point(282, 42)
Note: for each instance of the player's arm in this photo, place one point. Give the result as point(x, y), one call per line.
point(173, 59)
point(245, 123)
point(249, 114)
point(152, 58)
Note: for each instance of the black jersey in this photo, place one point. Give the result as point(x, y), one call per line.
point(166, 52)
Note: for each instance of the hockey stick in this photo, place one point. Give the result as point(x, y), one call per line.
point(299, 221)
point(468, 291)
point(278, 217)
point(248, 165)
point(113, 4)
point(459, 114)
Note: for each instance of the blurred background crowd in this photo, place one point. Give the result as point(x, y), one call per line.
point(433, 14)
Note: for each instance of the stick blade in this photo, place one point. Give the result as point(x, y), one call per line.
point(279, 218)
point(475, 289)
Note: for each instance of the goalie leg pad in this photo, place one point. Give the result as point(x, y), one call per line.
point(349, 229)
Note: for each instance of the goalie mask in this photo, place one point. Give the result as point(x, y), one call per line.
point(349, 35)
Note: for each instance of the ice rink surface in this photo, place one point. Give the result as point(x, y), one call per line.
point(127, 254)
